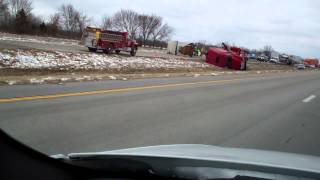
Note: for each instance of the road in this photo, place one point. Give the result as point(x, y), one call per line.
point(273, 112)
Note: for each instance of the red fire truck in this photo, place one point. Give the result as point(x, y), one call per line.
point(232, 58)
point(108, 41)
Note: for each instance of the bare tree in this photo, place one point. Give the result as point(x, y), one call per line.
point(162, 32)
point(17, 5)
point(107, 22)
point(83, 20)
point(73, 20)
point(55, 19)
point(267, 50)
point(54, 23)
point(22, 23)
point(126, 20)
point(69, 17)
point(35, 20)
point(4, 12)
point(148, 25)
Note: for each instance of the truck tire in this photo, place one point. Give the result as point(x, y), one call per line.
point(245, 65)
point(133, 51)
point(106, 51)
point(109, 49)
point(92, 49)
point(118, 51)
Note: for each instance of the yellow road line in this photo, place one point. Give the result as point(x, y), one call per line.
point(107, 91)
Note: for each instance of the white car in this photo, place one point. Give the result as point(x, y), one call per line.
point(274, 60)
point(300, 66)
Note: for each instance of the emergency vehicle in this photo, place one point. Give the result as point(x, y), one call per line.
point(108, 41)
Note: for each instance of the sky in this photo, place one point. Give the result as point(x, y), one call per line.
point(289, 26)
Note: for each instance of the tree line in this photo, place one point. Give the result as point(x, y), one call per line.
point(68, 22)
point(147, 29)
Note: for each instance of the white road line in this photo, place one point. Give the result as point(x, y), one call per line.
point(308, 99)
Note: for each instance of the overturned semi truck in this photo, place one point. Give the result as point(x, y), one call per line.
point(227, 57)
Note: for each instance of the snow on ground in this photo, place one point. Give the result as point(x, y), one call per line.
point(37, 39)
point(27, 59)
point(150, 50)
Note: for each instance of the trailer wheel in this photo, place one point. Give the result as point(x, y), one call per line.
point(118, 51)
point(133, 51)
point(106, 51)
point(92, 49)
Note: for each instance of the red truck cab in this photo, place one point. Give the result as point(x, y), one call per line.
point(232, 58)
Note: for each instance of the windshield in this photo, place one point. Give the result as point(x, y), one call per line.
point(90, 76)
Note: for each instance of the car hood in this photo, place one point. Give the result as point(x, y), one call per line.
point(218, 154)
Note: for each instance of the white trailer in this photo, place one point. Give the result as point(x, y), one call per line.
point(174, 46)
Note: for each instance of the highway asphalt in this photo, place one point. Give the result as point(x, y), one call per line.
point(277, 112)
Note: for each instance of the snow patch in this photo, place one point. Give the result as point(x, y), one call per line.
point(112, 78)
point(79, 78)
point(64, 79)
point(48, 78)
point(36, 81)
point(11, 82)
point(24, 59)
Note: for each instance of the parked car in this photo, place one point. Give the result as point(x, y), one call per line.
point(252, 56)
point(300, 66)
point(309, 65)
point(274, 60)
point(262, 58)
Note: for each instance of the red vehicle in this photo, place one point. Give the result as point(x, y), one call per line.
point(312, 62)
point(232, 58)
point(108, 41)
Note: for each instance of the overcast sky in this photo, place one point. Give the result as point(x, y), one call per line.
point(290, 26)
